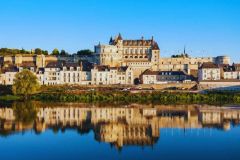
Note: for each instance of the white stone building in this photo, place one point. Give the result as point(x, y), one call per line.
point(232, 75)
point(163, 77)
point(209, 71)
point(105, 75)
point(8, 75)
point(73, 73)
point(67, 73)
point(40, 75)
point(52, 73)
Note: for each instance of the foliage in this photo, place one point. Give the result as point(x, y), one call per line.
point(25, 112)
point(7, 51)
point(63, 53)
point(85, 52)
point(4, 90)
point(25, 84)
point(55, 52)
point(9, 98)
point(181, 55)
point(142, 97)
point(39, 51)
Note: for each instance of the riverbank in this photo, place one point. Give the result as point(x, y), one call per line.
point(156, 97)
point(117, 95)
point(144, 97)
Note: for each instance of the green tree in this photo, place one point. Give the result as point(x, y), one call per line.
point(45, 52)
point(85, 52)
point(181, 55)
point(38, 51)
point(23, 51)
point(63, 53)
point(25, 84)
point(55, 52)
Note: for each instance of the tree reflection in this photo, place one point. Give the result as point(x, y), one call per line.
point(25, 112)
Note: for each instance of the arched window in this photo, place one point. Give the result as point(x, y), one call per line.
point(126, 56)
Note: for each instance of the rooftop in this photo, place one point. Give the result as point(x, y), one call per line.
point(27, 64)
point(209, 65)
point(138, 42)
point(54, 64)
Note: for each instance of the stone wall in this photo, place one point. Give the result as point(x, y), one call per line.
point(219, 85)
point(170, 85)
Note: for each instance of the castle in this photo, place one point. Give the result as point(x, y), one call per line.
point(138, 54)
point(143, 54)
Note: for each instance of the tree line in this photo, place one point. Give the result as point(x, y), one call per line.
point(39, 51)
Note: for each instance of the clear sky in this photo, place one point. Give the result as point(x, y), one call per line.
point(206, 27)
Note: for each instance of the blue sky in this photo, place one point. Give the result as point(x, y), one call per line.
point(206, 27)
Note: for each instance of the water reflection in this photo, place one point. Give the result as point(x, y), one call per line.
point(119, 126)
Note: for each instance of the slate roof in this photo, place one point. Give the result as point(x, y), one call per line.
point(10, 69)
point(209, 65)
point(87, 66)
point(138, 42)
point(54, 64)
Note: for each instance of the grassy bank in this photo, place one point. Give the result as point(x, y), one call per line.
point(65, 93)
point(145, 97)
point(10, 98)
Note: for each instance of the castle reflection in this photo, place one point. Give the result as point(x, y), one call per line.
point(120, 126)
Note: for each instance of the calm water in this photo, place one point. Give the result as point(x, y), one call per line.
point(134, 132)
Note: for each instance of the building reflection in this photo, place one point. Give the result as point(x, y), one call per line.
point(119, 126)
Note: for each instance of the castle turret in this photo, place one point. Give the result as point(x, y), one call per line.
point(155, 55)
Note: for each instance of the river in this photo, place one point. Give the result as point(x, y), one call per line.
point(38, 131)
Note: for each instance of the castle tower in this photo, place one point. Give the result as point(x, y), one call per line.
point(40, 61)
point(155, 56)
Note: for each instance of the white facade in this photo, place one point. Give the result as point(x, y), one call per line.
point(209, 74)
point(8, 78)
point(163, 77)
point(40, 77)
point(149, 79)
point(232, 75)
point(111, 75)
point(66, 75)
point(52, 76)
point(70, 75)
